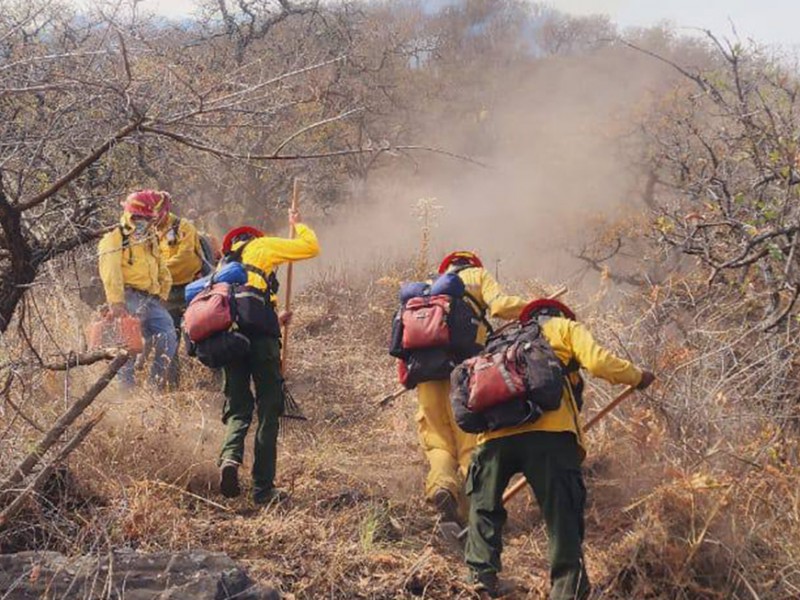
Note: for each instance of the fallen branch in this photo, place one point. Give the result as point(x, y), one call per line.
point(68, 418)
point(85, 358)
point(191, 495)
point(15, 506)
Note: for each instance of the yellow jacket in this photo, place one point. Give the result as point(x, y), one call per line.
point(482, 286)
point(182, 255)
point(139, 265)
point(569, 339)
point(266, 253)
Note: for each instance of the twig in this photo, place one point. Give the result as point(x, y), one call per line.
point(79, 168)
point(195, 496)
point(308, 128)
point(200, 145)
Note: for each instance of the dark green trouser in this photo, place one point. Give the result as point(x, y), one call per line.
point(551, 463)
point(262, 364)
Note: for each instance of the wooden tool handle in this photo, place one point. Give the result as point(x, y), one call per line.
point(289, 277)
point(514, 489)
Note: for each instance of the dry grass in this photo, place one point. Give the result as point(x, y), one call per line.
point(670, 515)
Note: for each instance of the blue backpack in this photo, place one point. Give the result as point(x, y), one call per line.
point(232, 272)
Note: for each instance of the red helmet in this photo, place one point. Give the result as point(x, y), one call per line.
point(151, 204)
point(545, 306)
point(458, 256)
point(239, 234)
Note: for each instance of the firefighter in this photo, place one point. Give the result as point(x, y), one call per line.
point(259, 255)
point(549, 452)
point(180, 247)
point(136, 279)
point(447, 448)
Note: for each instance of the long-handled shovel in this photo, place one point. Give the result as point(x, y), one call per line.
point(514, 489)
point(389, 398)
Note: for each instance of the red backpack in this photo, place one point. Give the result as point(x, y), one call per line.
point(425, 322)
point(210, 312)
point(513, 381)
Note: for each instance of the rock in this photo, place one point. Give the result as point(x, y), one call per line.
point(189, 575)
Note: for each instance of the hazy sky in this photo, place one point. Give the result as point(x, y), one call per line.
point(768, 21)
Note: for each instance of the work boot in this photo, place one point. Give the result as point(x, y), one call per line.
point(229, 479)
point(447, 506)
point(270, 496)
point(487, 585)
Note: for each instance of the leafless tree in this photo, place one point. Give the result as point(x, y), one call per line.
point(725, 159)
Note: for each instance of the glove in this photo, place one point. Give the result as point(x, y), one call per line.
point(647, 379)
point(285, 318)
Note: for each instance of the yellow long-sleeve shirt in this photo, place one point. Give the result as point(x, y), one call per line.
point(569, 339)
point(139, 266)
point(182, 255)
point(482, 286)
point(266, 253)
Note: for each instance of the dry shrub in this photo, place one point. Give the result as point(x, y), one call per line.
point(692, 485)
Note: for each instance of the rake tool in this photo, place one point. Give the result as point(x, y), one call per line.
point(292, 416)
point(292, 413)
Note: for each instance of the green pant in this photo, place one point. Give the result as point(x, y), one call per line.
point(262, 366)
point(551, 463)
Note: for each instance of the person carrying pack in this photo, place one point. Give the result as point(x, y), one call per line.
point(137, 281)
point(536, 435)
point(512, 381)
point(446, 447)
point(259, 255)
point(183, 254)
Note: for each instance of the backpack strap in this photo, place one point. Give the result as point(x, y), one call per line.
point(477, 308)
point(479, 311)
point(173, 229)
point(126, 243)
point(576, 390)
point(271, 280)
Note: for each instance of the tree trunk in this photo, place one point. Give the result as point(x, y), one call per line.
point(18, 271)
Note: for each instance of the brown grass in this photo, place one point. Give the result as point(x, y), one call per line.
point(663, 520)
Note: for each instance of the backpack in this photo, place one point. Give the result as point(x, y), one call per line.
point(434, 329)
point(204, 248)
point(513, 381)
point(256, 312)
point(223, 311)
point(211, 311)
point(220, 349)
point(208, 258)
point(232, 273)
